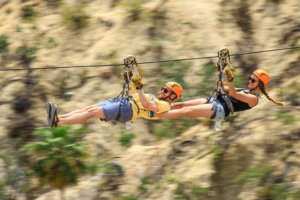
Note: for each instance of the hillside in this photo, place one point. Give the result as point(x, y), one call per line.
point(254, 157)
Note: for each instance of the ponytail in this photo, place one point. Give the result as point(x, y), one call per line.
point(263, 90)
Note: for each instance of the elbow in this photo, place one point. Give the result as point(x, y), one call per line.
point(146, 106)
point(151, 107)
point(232, 93)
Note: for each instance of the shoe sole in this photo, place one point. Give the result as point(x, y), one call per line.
point(53, 116)
point(49, 109)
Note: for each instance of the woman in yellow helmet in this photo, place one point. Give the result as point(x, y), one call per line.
point(218, 109)
point(143, 105)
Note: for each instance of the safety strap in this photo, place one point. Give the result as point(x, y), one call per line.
point(223, 62)
point(130, 68)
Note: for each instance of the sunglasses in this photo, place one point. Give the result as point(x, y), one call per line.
point(252, 80)
point(165, 90)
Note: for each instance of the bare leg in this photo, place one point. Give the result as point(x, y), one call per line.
point(203, 110)
point(75, 112)
point(193, 102)
point(81, 116)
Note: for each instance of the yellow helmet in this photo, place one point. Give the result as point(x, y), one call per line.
point(263, 76)
point(176, 88)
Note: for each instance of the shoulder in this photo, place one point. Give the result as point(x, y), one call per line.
point(243, 90)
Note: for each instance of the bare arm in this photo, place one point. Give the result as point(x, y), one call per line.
point(146, 102)
point(132, 89)
point(194, 102)
point(248, 98)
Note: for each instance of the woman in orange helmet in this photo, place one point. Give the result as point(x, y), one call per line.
point(217, 108)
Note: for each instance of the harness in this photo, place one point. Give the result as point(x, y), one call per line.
point(219, 93)
point(131, 68)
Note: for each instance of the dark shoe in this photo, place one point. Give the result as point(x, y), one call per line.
point(54, 116)
point(49, 109)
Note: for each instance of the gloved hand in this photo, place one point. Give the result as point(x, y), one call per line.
point(230, 73)
point(137, 81)
point(221, 62)
point(126, 77)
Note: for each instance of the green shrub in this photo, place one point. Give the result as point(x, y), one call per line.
point(2, 191)
point(295, 195)
point(253, 174)
point(26, 54)
point(28, 14)
point(74, 16)
point(199, 190)
point(188, 190)
point(111, 168)
point(181, 197)
point(172, 180)
point(13, 176)
point(164, 130)
point(59, 156)
point(278, 192)
point(172, 128)
point(129, 197)
point(285, 117)
point(51, 43)
point(144, 184)
point(218, 156)
point(3, 43)
point(126, 138)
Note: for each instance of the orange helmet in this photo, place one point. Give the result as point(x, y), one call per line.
point(263, 76)
point(175, 87)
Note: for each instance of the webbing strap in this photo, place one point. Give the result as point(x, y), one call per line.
point(130, 68)
point(224, 96)
point(224, 61)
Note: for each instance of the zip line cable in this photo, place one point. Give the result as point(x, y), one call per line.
point(146, 62)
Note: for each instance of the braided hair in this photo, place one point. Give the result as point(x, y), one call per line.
point(263, 90)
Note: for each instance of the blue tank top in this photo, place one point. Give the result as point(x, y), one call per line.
point(237, 104)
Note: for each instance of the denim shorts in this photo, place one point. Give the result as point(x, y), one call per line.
point(218, 108)
point(117, 109)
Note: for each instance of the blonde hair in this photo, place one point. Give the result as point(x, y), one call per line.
point(263, 90)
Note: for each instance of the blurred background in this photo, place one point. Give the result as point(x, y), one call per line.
point(254, 157)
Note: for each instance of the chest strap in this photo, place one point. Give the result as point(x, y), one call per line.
point(224, 96)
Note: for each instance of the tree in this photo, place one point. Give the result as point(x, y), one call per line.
point(59, 158)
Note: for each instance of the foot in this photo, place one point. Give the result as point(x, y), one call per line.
point(49, 109)
point(53, 116)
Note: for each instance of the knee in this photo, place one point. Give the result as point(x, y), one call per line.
point(95, 111)
point(87, 108)
point(185, 111)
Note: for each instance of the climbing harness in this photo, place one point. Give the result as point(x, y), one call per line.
point(222, 64)
point(131, 69)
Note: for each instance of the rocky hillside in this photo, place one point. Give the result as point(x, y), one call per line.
point(254, 157)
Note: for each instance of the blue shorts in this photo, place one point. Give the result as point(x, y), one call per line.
point(218, 108)
point(117, 109)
